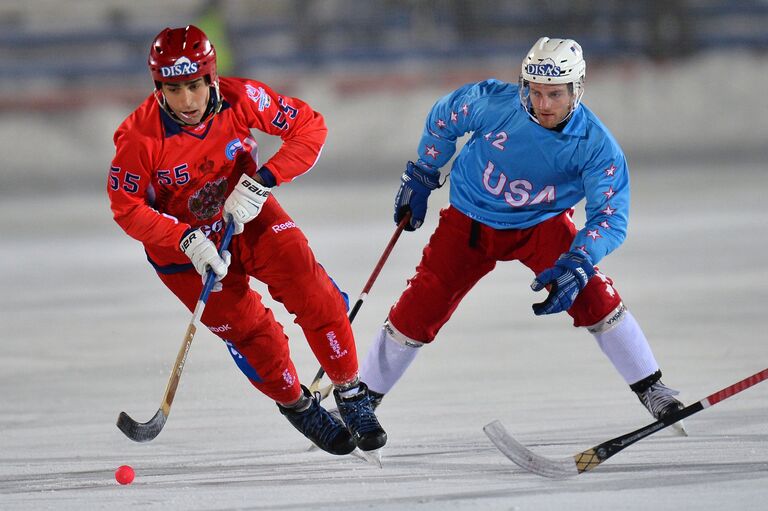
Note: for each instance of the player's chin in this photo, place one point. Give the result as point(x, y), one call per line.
point(548, 121)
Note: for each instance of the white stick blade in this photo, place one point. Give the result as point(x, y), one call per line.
point(527, 459)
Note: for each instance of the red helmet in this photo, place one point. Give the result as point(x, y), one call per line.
point(181, 54)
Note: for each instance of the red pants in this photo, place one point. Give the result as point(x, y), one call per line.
point(274, 250)
point(450, 267)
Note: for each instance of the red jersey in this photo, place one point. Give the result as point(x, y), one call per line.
point(166, 178)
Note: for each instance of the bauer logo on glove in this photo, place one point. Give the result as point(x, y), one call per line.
point(245, 201)
point(256, 188)
point(188, 240)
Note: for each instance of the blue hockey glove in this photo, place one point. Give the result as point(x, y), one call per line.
point(416, 184)
point(567, 278)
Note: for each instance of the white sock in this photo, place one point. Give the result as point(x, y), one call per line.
point(627, 348)
point(387, 359)
point(349, 392)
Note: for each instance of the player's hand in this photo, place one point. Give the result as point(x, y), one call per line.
point(416, 184)
point(203, 254)
point(245, 201)
point(567, 278)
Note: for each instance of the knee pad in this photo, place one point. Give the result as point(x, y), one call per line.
point(613, 318)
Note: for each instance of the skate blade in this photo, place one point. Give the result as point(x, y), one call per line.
point(373, 457)
point(678, 428)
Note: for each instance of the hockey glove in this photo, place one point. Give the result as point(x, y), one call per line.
point(416, 184)
point(245, 201)
point(567, 278)
point(203, 254)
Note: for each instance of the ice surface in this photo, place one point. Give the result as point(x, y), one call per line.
point(88, 331)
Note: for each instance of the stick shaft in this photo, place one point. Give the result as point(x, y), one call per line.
point(178, 367)
point(144, 432)
point(589, 459)
point(735, 388)
point(181, 358)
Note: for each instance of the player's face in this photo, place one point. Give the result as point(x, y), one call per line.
point(188, 100)
point(551, 103)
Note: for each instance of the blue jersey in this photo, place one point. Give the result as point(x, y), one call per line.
point(513, 173)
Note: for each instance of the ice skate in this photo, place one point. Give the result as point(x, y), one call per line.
point(375, 402)
point(356, 411)
point(659, 400)
point(325, 430)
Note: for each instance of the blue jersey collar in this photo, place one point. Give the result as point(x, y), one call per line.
point(577, 126)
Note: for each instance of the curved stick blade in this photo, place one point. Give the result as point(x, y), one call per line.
point(141, 431)
point(527, 459)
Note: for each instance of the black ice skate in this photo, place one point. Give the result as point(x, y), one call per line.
point(376, 399)
point(357, 413)
point(659, 399)
point(323, 429)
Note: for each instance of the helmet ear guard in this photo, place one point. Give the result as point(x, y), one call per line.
point(553, 61)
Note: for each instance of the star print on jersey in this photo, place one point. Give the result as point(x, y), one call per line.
point(454, 117)
point(608, 210)
point(465, 109)
point(609, 193)
point(610, 171)
point(440, 124)
point(432, 151)
point(594, 234)
point(604, 224)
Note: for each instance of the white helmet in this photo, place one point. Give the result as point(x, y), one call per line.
point(553, 61)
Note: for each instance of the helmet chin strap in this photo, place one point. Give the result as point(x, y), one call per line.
point(214, 106)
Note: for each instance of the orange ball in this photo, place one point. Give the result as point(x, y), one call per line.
point(124, 474)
